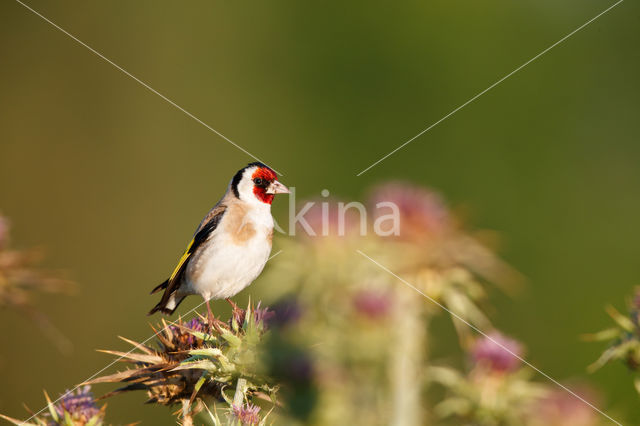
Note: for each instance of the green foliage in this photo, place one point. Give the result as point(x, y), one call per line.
point(623, 338)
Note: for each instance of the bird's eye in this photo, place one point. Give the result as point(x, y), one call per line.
point(257, 181)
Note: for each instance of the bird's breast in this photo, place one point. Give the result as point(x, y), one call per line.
point(243, 224)
point(232, 258)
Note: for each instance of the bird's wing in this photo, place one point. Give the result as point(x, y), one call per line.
point(208, 225)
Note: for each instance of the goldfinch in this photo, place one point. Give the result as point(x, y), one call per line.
point(230, 246)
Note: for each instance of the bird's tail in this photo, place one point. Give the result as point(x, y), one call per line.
point(162, 286)
point(167, 305)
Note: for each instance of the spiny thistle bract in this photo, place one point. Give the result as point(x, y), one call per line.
point(195, 359)
point(77, 408)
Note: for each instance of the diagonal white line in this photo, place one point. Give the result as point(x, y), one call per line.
point(123, 356)
point(277, 253)
point(491, 87)
point(145, 85)
point(473, 327)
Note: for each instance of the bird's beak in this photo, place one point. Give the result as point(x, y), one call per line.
point(277, 188)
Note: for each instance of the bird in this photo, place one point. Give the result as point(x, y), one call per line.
point(230, 246)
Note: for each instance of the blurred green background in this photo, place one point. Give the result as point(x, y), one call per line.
point(112, 180)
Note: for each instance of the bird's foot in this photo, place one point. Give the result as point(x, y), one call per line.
point(232, 303)
point(213, 323)
point(212, 320)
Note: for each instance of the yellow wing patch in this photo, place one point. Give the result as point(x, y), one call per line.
point(183, 259)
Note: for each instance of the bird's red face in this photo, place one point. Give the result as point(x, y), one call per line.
point(266, 185)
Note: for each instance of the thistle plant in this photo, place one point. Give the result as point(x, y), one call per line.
point(21, 279)
point(495, 390)
point(365, 332)
point(77, 408)
point(560, 408)
point(195, 363)
point(433, 251)
point(623, 338)
point(245, 414)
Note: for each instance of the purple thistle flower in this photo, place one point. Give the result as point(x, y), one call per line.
point(372, 304)
point(422, 211)
point(183, 338)
point(247, 414)
point(260, 315)
point(496, 352)
point(562, 408)
point(195, 324)
point(286, 311)
point(80, 405)
point(328, 223)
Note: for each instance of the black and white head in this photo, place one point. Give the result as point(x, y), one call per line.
point(257, 184)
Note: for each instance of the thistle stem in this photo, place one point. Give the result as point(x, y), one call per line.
point(408, 359)
point(238, 398)
point(187, 419)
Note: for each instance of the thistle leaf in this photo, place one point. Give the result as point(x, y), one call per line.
point(603, 335)
point(212, 352)
point(139, 346)
point(233, 340)
point(51, 407)
point(132, 356)
point(68, 421)
point(16, 421)
point(453, 406)
point(622, 320)
point(203, 364)
point(115, 377)
point(614, 352)
point(214, 417)
point(202, 336)
point(446, 376)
